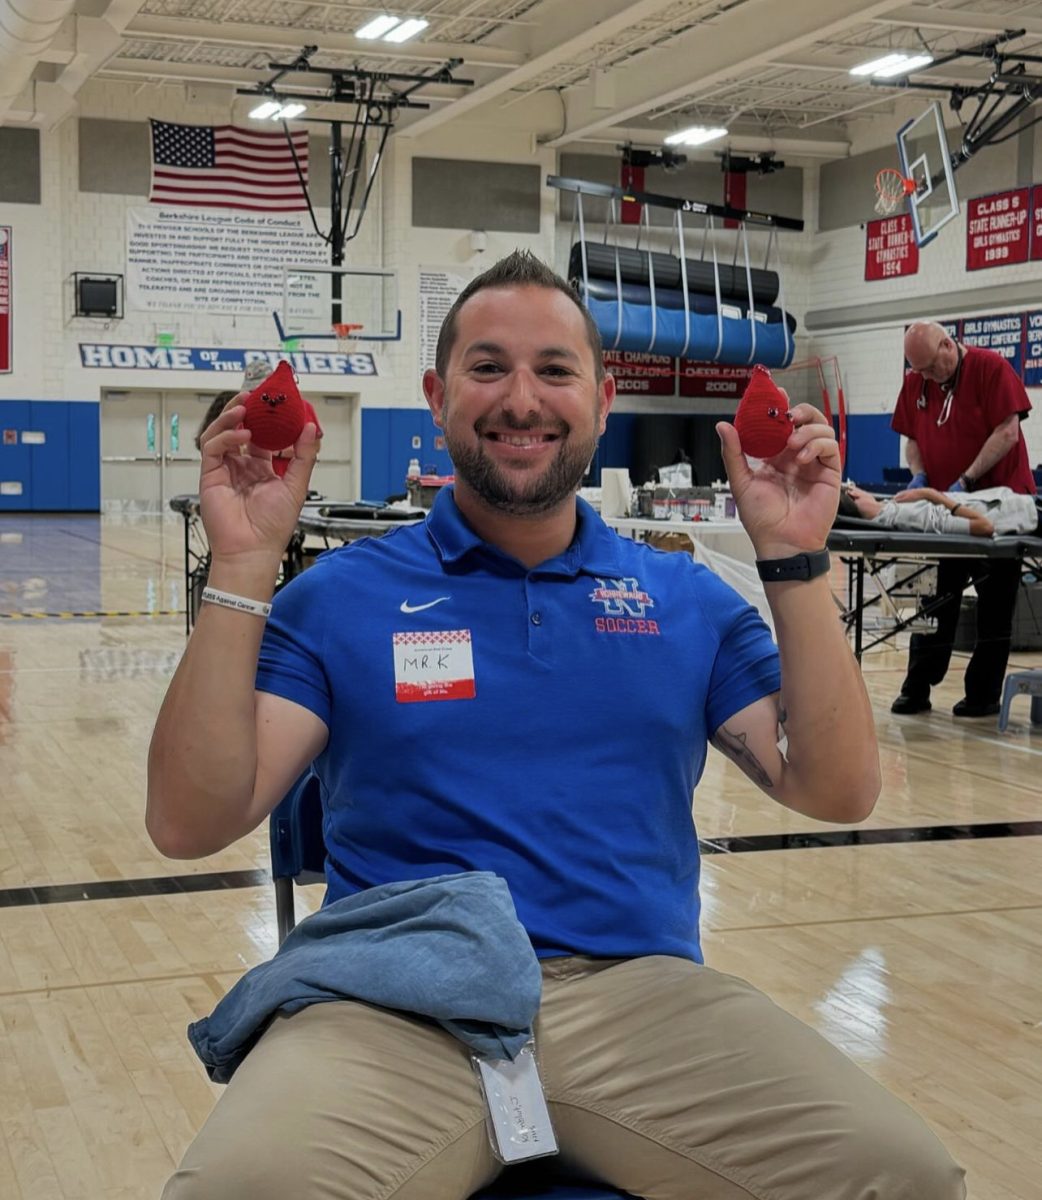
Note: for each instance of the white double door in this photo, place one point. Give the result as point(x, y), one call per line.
point(148, 449)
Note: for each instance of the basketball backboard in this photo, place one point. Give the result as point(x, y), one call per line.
point(926, 160)
point(314, 299)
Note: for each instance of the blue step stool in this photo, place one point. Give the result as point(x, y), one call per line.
point(1022, 683)
point(502, 1189)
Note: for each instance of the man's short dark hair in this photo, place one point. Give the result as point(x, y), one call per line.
point(519, 269)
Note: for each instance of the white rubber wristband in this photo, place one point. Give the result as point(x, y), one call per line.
point(240, 603)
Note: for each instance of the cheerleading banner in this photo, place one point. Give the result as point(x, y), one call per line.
point(5, 299)
point(639, 374)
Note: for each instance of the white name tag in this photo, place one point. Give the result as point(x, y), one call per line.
point(433, 666)
point(519, 1118)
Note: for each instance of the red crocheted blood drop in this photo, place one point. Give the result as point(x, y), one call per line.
point(762, 419)
point(275, 412)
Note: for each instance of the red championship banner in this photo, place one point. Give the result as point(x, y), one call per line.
point(1036, 222)
point(997, 229)
point(709, 380)
point(5, 299)
point(641, 374)
point(890, 249)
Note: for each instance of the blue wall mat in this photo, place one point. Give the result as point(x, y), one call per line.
point(15, 460)
point(871, 446)
point(84, 457)
point(376, 449)
point(61, 474)
point(50, 459)
point(387, 437)
point(616, 445)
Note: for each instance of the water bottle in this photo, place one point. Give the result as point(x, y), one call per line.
point(413, 471)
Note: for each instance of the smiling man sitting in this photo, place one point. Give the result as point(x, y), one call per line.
point(455, 686)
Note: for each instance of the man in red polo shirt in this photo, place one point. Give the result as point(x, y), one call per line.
point(960, 408)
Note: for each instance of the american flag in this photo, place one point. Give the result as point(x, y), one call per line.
point(221, 166)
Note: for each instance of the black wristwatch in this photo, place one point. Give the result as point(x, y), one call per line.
point(967, 483)
point(798, 567)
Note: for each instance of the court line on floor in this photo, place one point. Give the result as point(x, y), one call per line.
point(166, 885)
point(901, 916)
point(146, 980)
point(104, 545)
point(952, 734)
point(33, 615)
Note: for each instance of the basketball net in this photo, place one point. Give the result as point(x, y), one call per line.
point(347, 337)
point(891, 189)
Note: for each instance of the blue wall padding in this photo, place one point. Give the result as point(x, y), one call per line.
point(388, 435)
point(871, 446)
point(634, 293)
point(61, 472)
point(661, 330)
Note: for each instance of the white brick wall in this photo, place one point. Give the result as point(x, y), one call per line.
point(71, 232)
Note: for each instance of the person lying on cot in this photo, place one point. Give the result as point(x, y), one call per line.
point(991, 511)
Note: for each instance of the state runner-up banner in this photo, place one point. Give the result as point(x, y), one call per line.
point(890, 249)
point(997, 229)
point(5, 299)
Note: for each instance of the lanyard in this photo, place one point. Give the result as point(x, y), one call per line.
point(946, 407)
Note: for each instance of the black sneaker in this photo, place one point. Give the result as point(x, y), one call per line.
point(907, 705)
point(966, 708)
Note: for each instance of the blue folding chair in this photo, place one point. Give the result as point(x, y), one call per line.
point(298, 855)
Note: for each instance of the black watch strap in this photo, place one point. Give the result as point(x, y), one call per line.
point(799, 567)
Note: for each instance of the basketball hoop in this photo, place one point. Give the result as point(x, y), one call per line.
point(891, 189)
point(347, 337)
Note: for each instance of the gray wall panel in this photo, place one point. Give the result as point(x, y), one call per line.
point(461, 194)
point(114, 157)
point(19, 166)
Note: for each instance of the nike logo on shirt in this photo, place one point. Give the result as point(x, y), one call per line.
point(406, 607)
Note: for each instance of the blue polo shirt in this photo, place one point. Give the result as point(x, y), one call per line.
point(549, 725)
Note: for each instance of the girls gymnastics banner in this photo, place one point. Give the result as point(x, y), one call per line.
point(890, 249)
point(5, 299)
point(997, 229)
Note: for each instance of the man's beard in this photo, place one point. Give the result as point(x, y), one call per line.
point(544, 491)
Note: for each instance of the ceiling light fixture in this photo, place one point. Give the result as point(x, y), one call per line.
point(891, 65)
point(275, 110)
point(406, 30)
point(377, 27)
point(697, 135)
point(265, 110)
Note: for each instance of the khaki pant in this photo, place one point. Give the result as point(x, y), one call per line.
point(665, 1078)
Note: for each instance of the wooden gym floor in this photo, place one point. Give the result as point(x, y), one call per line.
point(919, 952)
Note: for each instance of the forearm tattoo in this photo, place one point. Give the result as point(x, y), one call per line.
point(735, 746)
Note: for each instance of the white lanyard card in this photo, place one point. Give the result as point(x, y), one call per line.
point(519, 1120)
